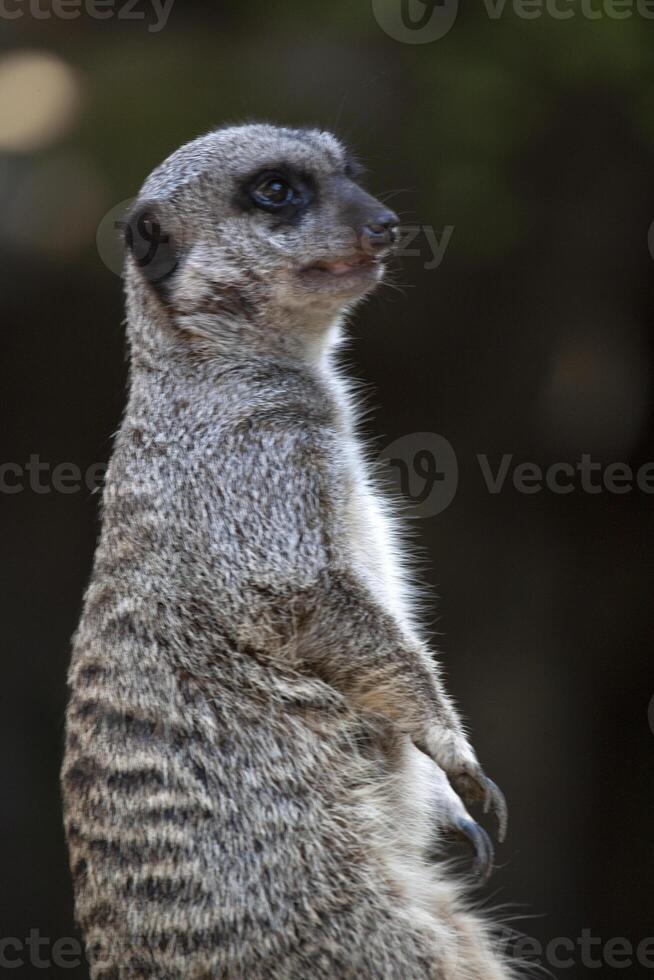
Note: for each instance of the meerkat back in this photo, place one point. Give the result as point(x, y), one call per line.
point(261, 760)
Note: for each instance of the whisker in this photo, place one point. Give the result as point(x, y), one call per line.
point(385, 195)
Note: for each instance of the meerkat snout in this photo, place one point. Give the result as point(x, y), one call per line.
point(256, 222)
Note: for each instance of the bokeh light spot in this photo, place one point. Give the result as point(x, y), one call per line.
point(39, 100)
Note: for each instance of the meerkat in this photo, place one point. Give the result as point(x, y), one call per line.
point(261, 760)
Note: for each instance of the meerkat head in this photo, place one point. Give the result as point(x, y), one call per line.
point(254, 234)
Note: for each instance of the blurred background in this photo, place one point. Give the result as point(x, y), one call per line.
point(526, 146)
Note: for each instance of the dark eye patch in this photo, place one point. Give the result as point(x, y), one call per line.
point(286, 209)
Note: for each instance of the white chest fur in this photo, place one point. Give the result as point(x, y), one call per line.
point(372, 540)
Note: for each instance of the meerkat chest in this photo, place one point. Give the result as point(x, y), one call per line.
point(371, 541)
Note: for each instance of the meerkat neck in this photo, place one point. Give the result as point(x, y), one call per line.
point(232, 335)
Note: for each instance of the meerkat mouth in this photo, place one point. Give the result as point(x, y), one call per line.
point(343, 266)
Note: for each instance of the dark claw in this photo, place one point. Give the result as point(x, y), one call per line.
point(477, 838)
point(478, 788)
point(494, 800)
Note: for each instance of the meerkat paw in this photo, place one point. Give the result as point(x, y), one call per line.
point(456, 824)
point(453, 753)
point(469, 832)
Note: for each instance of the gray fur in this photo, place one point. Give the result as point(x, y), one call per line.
point(243, 793)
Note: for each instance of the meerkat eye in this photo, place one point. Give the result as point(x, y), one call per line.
point(272, 191)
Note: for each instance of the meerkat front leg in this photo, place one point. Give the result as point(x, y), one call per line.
point(365, 653)
point(339, 629)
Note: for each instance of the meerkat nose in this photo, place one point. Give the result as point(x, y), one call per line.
point(381, 232)
point(375, 225)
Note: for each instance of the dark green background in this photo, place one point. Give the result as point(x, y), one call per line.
point(534, 139)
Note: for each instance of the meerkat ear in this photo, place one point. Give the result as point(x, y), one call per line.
point(151, 244)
